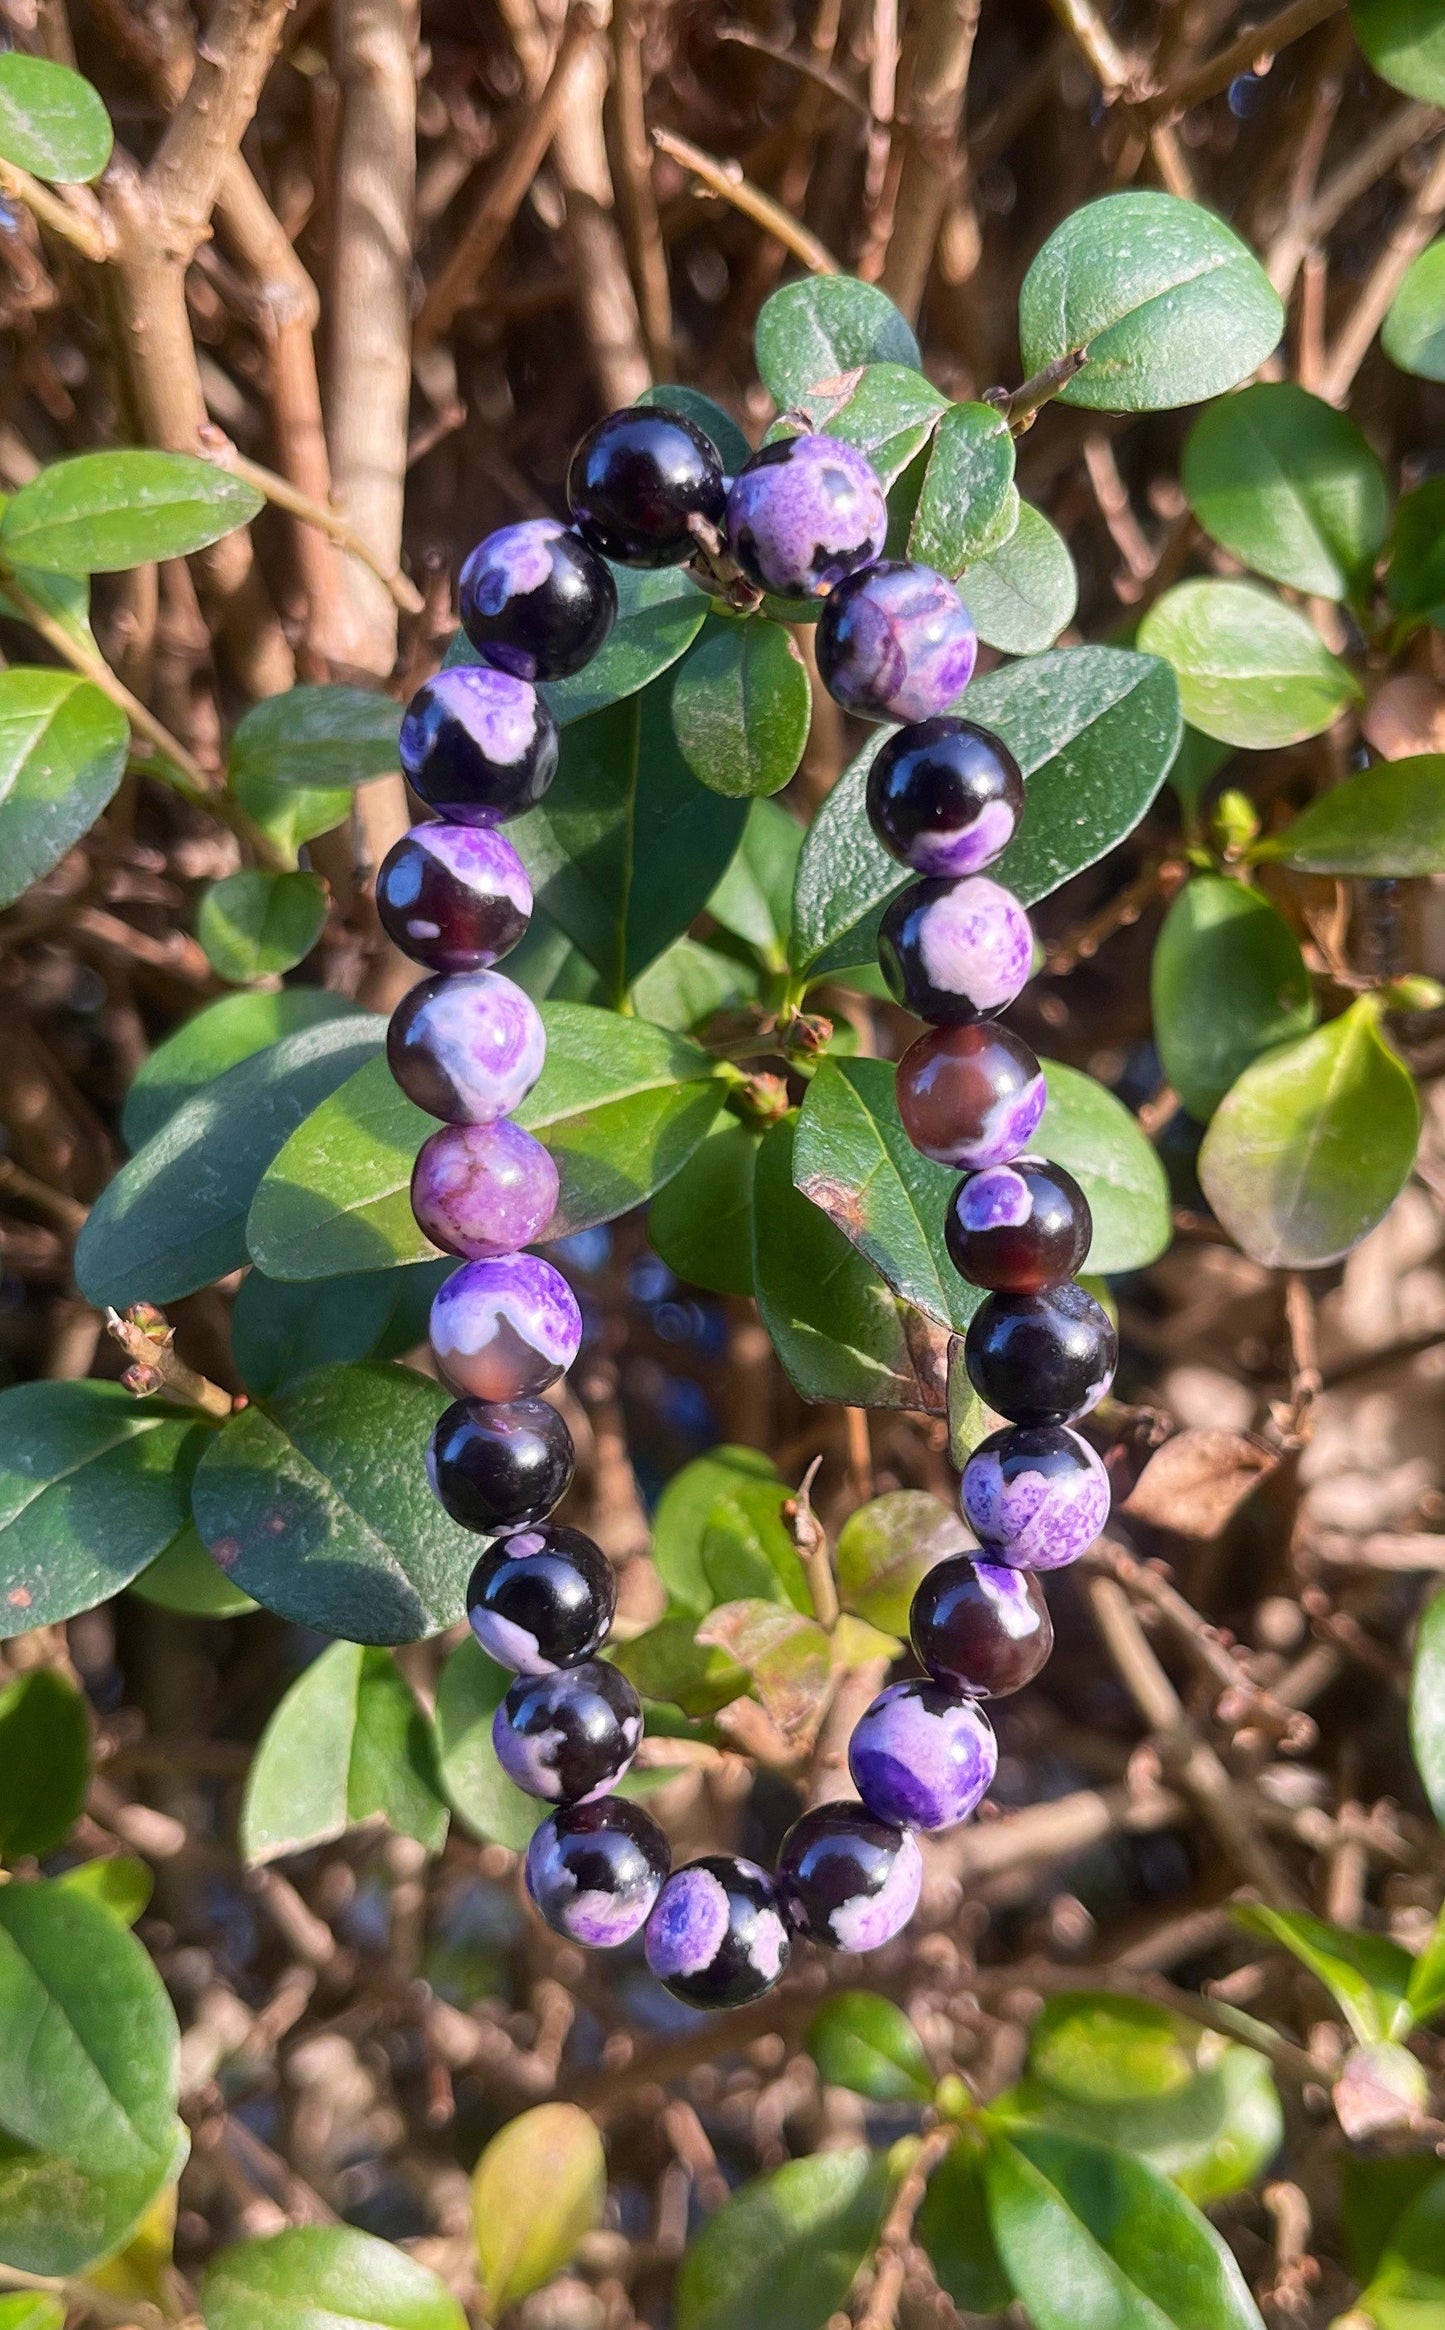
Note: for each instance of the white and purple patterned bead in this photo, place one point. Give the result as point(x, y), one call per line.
point(568, 1737)
point(455, 897)
point(923, 1755)
point(505, 1327)
point(1036, 1497)
point(848, 1879)
point(896, 642)
point(483, 1190)
point(970, 1095)
point(803, 514)
point(956, 950)
point(717, 1937)
point(536, 601)
point(478, 746)
point(595, 1871)
point(467, 1048)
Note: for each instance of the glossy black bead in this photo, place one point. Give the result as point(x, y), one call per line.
point(1018, 1228)
point(570, 1736)
point(500, 1465)
point(717, 1936)
point(945, 796)
point(478, 746)
point(637, 479)
point(1041, 1358)
point(541, 1598)
point(536, 600)
point(595, 1870)
point(848, 1879)
point(981, 1627)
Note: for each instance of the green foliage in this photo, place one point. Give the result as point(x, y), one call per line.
point(184, 1578)
point(52, 122)
point(953, 2227)
point(45, 1757)
point(782, 2253)
point(967, 505)
point(98, 513)
point(1407, 2289)
point(1405, 42)
point(470, 1690)
point(253, 924)
point(1167, 303)
point(1251, 670)
point(1289, 485)
point(32, 2310)
point(219, 1037)
point(1022, 594)
point(719, 1534)
point(118, 1881)
point(62, 755)
point(317, 2275)
point(1415, 577)
point(861, 2041)
point(701, 1221)
point(1367, 1975)
point(810, 334)
point(741, 706)
point(281, 1329)
point(317, 737)
point(1427, 1704)
point(754, 899)
point(890, 413)
point(1386, 821)
point(1227, 982)
point(537, 2191)
point(348, 1743)
point(884, 1548)
point(1413, 335)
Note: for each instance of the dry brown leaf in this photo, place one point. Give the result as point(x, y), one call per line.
point(1197, 1481)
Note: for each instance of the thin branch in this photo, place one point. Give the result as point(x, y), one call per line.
point(1020, 405)
point(1371, 160)
point(895, 2240)
point(820, 75)
point(84, 233)
point(636, 191)
point(1113, 67)
point(233, 56)
point(932, 163)
point(1253, 50)
point(148, 1340)
point(726, 180)
point(216, 446)
point(1406, 240)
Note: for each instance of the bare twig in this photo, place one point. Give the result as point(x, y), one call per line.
point(89, 234)
point(932, 165)
point(726, 180)
point(1405, 242)
point(1252, 50)
point(148, 1340)
point(638, 195)
point(216, 446)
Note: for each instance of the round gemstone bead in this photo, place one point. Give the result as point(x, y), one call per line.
point(896, 642)
point(945, 797)
point(499, 1465)
point(455, 897)
point(480, 1190)
point(1018, 1228)
point(637, 479)
point(717, 1936)
point(568, 1737)
point(848, 1879)
point(478, 746)
point(805, 513)
point(953, 951)
point(1036, 1496)
point(595, 1871)
point(980, 1627)
point(542, 1598)
point(970, 1095)
point(536, 600)
point(923, 1755)
point(504, 1328)
point(467, 1049)
point(1041, 1358)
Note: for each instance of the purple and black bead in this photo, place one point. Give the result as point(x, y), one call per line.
point(896, 642)
point(804, 514)
point(638, 481)
point(595, 1871)
point(1035, 1495)
point(478, 746)
point(455, 897)
point(568, 1737)
point(500, 1465)
point(505, 1328)
point(483, 1190)
point(980, 1627)
point(536, 601)
point(954, 951)
point(717, 1936)
point(1041, 1358)
point(466, 1048)
point(922, 1755)
point(847, 1878)
point(1018, 1228)
point(945, 797)
point(970, 1095)
point(541, 1599)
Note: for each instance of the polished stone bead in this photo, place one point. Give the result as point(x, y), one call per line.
point(945, 796)
point(455, 897)
point(595, 1870)
point(1018, 1228)
point(717, 1936)
point(496, 1465)
point(970, 1095)
point(896, 642)
point(505, 1328)
point(848, 1879)
point(480, 1190)
point(568, 1737)
point(541, 1598)
point(923, 1755)
point(478, 746)
point(805, 513)
point(1041, 1358)
point(1035, 1496)
point(636, 481)
point(980, 1627)
point(953, 951)
point(467, 1048)
point(536, 600)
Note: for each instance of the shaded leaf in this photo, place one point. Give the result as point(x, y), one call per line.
point(1367, 1975)
point(741, 705)
point(44, 1762)
point(1387, 821)
point(1413, 334)
point(62, 754)
point(1425, 1993)
point(1405, 42)
point(1289, 485)
point(253, 924)
point(754, 899)
point(470, 1690)
point(967, 505)
point(1212, 2135)
point(732, 446)
point(809, 334)
point(1408, 2288)
point(690, 984)
point(215, 1039)
point(347, 1742)
point(537, 2191)
point(1022, 594)
point(782, 2254)
point(885, 1548)
point(97, 513)
point(701, 1222)
point(185, 1578)
point(953, 2227)
point(786, 1654)
point(1415, 576)
point(281, 1329)
point(865, 2042)
point(668, 1662)
point(1227, 980)
point(328, 738)
point(719, 1533)
point(317, 2277)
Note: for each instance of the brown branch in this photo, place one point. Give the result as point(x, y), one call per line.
point(216, 446)
point(932, 163)
point(85, 232)
point(148, 1340)
point(637, 194)
point(891, 2257)
point(1253, 50)
point(606, 302)
point(1113, 67)
point(726, 180)
point(233, 57)
point(1020, 405)
point(1371, 159)
point(1406, 240)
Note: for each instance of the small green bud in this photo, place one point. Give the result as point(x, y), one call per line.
point(1416, 992)
point(1236, 821)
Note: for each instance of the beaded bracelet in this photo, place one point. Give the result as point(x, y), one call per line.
point(806, 518)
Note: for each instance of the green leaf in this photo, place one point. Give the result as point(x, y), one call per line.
point(62, 753)
point(88, 1496)
point(783, 2253)
point(810, 333)
point(1251, 670)
point(1211, 2137)
point(1313, 1144)
point(1413, 335)
point(45, 1760)
point(1087, 2234)
point(118, 1881)
point(1169, 304)
point(1388, 820)
point(741, 705)
point(1405, 42)
point(1425, 1992)
point(1093, 728)
point(1376, 2191)
point(1415, 577)
point(174, 1218)
point(889, 414)
point(1227, 981)
point(787, 1657)
point(88, 2074)
point(835, 1324)
point(32, 2310)
point(1085, 1128)
point(719, 1532)
point(1289, 485)
point(620, 1104)
point(1367, 1975)
point(185, 1578)
point(669, 1663)
point(470, 1690)
point(1196, 765)
point(660, 612)
point(1024, 593)
point(100, 512)
point(318, 2277)
point(1408, 2289)
point(701, 1222)
point(211, 1041)
point(1097, 2047)
point(347, 1742)
point(253, 924)
point(754, 899)
point(865, 2042)
point(967, 506)
point(885, 1548)
point(281, 1329)
point(732, 446)
point(690, 984)
point(627, 846)
point(52, 123)
point(311, 1504)
point(330, 738)
point(539, 2188)
point(291, 815)
point(1427, 1704)
point(953, 2227)
point(65, 596)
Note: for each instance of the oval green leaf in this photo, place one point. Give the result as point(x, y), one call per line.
point(809, 334)
point(185, 1578)
point(732, 446)
point(537, 2191)
point(1405, 42)
point(281, 1329)
point(254, 924)
point(317, 2276)
point(967, 506)
point(100, 512)
point(1367, 1975)
point(953, 2228)
point(783, 2253)
point(754, 899)
point(864, 2042)
point(886, 1547)
point(52, 123)
point(118, 1881)
point(1415, 576)
point(1024, 593)
point(1211, 2136)
point(1168, 302)
point(1251, 670)
point(470, 1690)
point(45, 1760)
point(1386, 822)
point(741, 705)
point(63, 749)
point(323, 737)
point(215, 1039)
point(1414, 330)
point(719, 1533)
point(889, 414)
point(1227, 981)
point(1289, 485)
point(701, 1222)
point(1407, 2291)
point(347, 1743)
